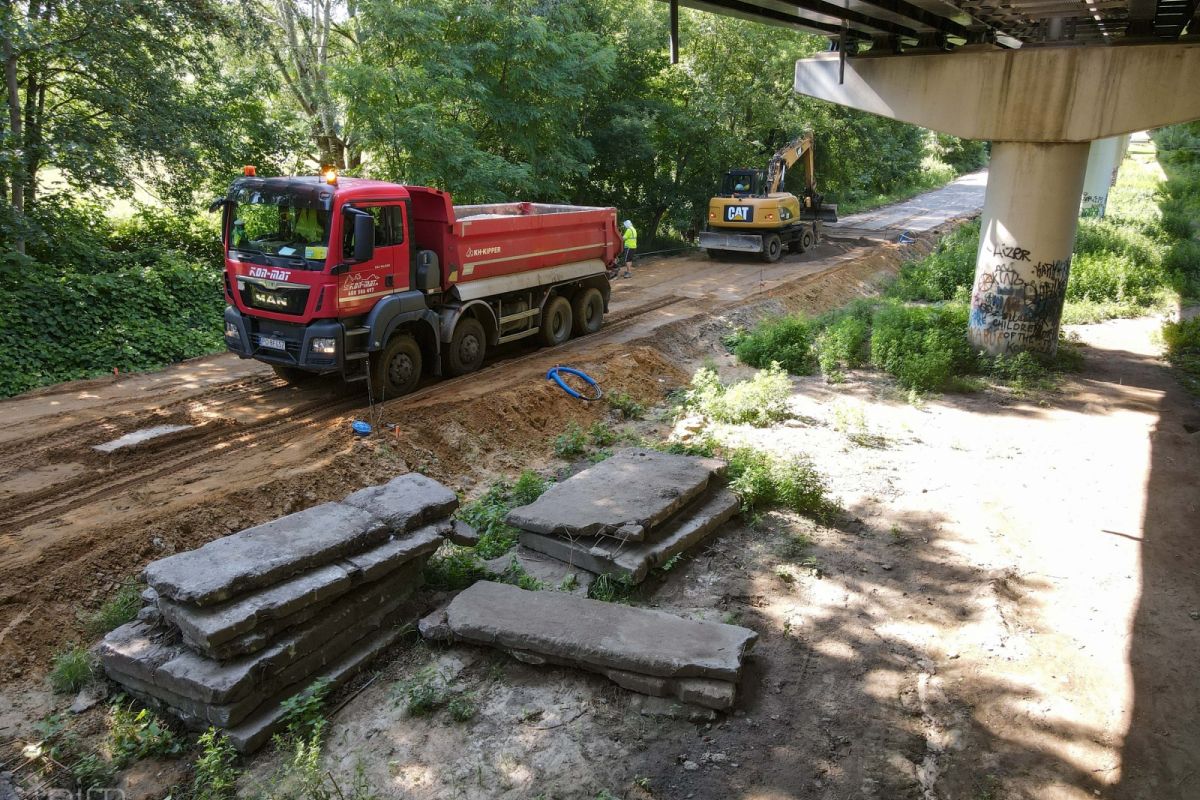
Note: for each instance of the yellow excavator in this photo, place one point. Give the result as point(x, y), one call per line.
point(752, 215)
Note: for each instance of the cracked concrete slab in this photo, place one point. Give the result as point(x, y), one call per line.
point(623, 496)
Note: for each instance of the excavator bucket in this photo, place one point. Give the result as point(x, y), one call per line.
point(827, 212)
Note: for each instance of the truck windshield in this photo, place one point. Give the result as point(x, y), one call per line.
point(280, 225)
point(740, 182)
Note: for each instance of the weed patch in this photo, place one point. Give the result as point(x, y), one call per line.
point(625, 405)
point(759, 401)
point(134, 735)
point(1182, 340)
point(119, 609)
point(73, 669)
point(761, 479)
point(571, 443)
point(783, 341)
point(612, 588)
point(215, 773)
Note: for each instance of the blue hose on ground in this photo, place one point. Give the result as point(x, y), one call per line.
point(553, 375)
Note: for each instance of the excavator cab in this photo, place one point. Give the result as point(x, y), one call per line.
point(742, 182)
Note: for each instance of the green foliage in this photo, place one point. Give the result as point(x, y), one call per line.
point(134, 735)
point(1182, 340)
point(626, 405)
point(786, 341)
point(923, 347)
point(944, 272)
point(612, 588)
point(303, 714)
point(119, 609)
point(843, 339)
point(601, 435)
point(462, 708)
point(453, 567)
point(572, 442)
point(761, 479)
point(758, 401)
point(215, 774)
point(515, 574)
point(422, 694)
point(704, 446)
point(72, 669)
point(105, 302)
point(486, 515)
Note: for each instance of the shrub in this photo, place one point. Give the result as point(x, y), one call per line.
point(215, 776)
point(923, 347)
point(1182, 340)
point(940, 274)
point(786, 341)
point(761, 479)
point(134, 735)
point(529, 486)
point(571, 442)
point(626, 405)
point(601, 434)
point(73, 669)
point(759, 401)
point(842, 342)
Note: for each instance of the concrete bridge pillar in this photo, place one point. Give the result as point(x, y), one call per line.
point(1104, 159)
point(1041, 107)
point(1025, 243)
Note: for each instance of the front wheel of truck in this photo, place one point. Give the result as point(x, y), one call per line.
point(294, 376)
point(397, 370)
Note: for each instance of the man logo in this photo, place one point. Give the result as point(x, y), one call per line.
point(737, 214)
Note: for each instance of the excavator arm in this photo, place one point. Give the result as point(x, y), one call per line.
point(785, 159)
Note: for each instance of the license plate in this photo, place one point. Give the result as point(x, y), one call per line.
point(270, 341)
point(739, 213)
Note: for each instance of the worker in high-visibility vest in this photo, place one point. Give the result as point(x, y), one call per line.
point(630, 237)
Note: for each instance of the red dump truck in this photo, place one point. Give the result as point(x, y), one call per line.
point(381, 282)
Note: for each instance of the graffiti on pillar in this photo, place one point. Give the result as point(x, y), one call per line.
point(1017, 302)
point(1093, 205)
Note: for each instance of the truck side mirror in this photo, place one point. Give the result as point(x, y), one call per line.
point(429, 273)
point(364, 237)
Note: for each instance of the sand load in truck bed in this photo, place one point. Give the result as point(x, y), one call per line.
point(235, 627)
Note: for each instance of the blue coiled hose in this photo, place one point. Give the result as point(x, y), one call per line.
point(553, 375)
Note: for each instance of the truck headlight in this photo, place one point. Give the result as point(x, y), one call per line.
point(231, 331)
point(325, 347)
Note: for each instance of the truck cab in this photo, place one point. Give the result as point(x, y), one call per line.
point(364, 278)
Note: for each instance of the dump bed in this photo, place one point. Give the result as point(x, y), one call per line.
point(489, 249)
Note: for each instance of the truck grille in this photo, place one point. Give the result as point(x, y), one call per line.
point(281, 300)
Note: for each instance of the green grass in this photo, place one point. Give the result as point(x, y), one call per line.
point(612, 588)
point(72, 669)
point(119, 609)
point(786, 341)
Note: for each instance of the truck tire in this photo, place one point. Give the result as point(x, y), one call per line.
point(588, 311)
point(772, 247)
point(556, 321)
point(467, 347)
point(397, 370)
point(806, 240)
point(294, 375)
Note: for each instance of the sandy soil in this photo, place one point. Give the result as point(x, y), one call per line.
point(1010, 607)
point(1008, 610)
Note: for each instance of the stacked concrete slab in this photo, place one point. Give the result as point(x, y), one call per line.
point(640, 649)
point(629, 513)
point(235, 627)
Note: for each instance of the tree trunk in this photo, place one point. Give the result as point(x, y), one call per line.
point(14, 122)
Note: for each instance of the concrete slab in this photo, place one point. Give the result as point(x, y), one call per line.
point(552, 573)
point(265, 554)
point(288, 681)
point(602, 635)
point(711, 693)
point(606, 555)
point(273, 609)
point(622, 496)
point(405, 502)
point(145, 654)
point(137, 437)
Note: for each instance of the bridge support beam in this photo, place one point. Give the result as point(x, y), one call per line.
point(1104, 159)
point(1041, 107)
point(1025, 243)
